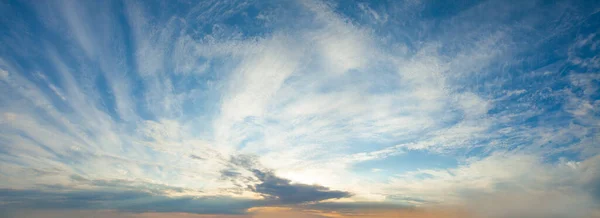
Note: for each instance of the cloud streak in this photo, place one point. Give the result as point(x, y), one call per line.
point(323, 108)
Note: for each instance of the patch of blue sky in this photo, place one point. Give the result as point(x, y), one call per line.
point(409, 160)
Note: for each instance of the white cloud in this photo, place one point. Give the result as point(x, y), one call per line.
point(3, 74)
point(309, 101)
point(381, 18)
point(482, 184)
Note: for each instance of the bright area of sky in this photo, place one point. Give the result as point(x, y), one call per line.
point(299, 108)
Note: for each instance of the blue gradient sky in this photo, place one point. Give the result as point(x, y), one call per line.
point(305, 108)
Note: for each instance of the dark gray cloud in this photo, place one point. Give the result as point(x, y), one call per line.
point(276, 189)
point(121, 195)
point(229, 174)
point(244, 161)
point(402, 198)
point(138, 196)
point(127, 201)
point(282, 190)
point(196, 157)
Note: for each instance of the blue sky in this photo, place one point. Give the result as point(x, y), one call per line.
point(302, 108)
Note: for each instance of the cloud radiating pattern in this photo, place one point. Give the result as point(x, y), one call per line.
point(244, 108)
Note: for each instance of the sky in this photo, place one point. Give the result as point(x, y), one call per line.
point(299, 108)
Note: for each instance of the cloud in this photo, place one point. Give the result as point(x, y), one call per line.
point(281, 190)
point(3, 74)
point(564, 189)
point(160, 99)
point(275, 189)
point(358, 206)
point(127, 201)
point(104, 214)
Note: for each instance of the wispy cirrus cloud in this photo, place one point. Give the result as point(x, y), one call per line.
point(164, 99)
